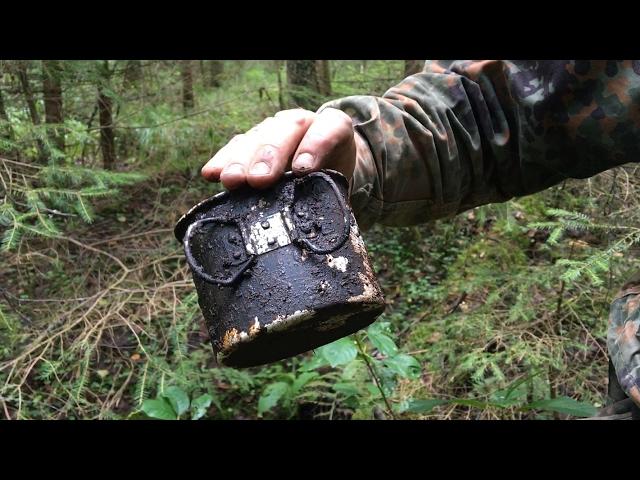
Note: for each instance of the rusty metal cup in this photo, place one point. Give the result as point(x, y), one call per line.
point(280, 271)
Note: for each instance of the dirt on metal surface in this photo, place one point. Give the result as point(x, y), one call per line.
point(264, 291)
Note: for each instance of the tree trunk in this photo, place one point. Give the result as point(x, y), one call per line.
point(216, 68)
point(21, 70)
point(132, 73)
point(413, 66)
point(324, 77)
point(105, 108)
point(302, 82)
point(3, 110)
point(186, 71)
point(281, 103)
point(6, 130)
point(52, 92)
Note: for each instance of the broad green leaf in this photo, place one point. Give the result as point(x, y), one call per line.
point(469, 402)
point(272, 395)
point(383, 343)
point(178, 398)
point(200, 405)
point(423, 406)
point(302, 380)
point(346, 388)
point(565, 405)
point(404, 365)
point(159, 408)
point(507, 398)
point(316, 361)
point(339, 352)
point(353, 370)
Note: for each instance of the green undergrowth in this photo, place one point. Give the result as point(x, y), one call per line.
point(500, 312)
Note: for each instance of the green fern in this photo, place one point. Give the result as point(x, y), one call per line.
point(140, 393)
point(53, 195)
point(81, 382)
point(595, 265)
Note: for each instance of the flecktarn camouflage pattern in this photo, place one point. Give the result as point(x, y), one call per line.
point(623, 340)
point(463, 133)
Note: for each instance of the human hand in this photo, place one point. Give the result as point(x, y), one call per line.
point(298, 140)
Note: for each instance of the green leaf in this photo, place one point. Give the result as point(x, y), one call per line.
point(10, 238)
point(423, 406)
point(404, 365)
point(159, 408)
point(302, 380)
point(272, 395)
point(339, 352)
point(178, 398)
point(565, 405)
point(347, 389)
point(509, 397)
point(84, 210)
point(200, 405)
point(316, 361)
point(382, 342)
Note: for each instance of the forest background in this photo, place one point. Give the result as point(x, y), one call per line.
point(499, 313)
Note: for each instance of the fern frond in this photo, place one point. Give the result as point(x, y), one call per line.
point(84, 210)
point(11, 238)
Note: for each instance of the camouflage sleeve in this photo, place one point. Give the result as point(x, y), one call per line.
point(623, 339)
point(466, 133)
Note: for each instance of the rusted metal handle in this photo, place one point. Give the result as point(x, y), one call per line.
point(199, 269)
point(343, 208)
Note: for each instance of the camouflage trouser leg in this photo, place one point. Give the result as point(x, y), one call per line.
point(623, 342)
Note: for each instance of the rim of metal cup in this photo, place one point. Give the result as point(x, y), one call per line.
point(185, 220)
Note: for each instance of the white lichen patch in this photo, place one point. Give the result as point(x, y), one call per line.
point(255, 328)
point(285, 322)
point(233, 337)
point(339, 263)
point(369, 292)
point(230, 339)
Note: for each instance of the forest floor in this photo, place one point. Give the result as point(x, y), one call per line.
point(498, 313)
point(106, 317)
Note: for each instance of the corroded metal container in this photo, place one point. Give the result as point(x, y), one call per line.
point(281, 271)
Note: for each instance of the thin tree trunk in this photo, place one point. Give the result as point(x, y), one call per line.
point(413, 66)
point(7, 130)
point(324, 77)
point(3, 110)
point(188, 102)
point(302, 82)
point(280, 88)
point(132, 73)
point(52, 92)
point(216, 68)
point(105, 108)
point(23, 76)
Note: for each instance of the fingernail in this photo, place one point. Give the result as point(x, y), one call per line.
point(234, 168)
point(207, 174)
point(260, 168)
point(304, 161)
